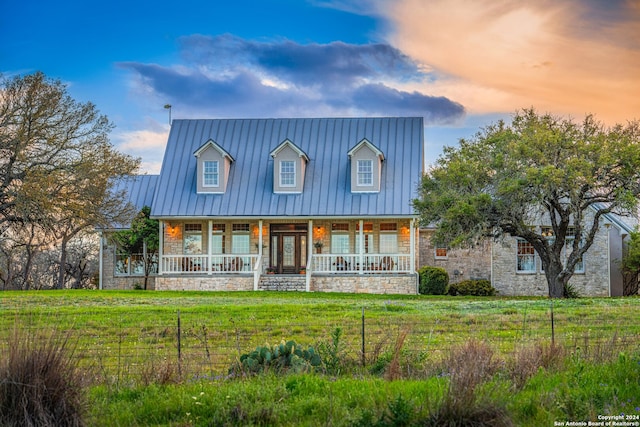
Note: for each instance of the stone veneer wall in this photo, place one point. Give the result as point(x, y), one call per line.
point(366, 284)
point(112, 282)
point(205, 283)
point(593, 282)
point(470, 263)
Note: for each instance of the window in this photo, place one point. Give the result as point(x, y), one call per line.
point(217, 239)
point(568, 248)
point(368, 237)
point(441, 251)
point(287, 173)
point(339, 238)
point(133, 264)
point(365, 172)
point(240, 239)
point(526, 258)
point(388, 238)
point(192, 239)
point(210, 176)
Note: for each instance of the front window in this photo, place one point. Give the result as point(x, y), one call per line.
point(210, 174)
point(287, 173)
point(192, 239)
point(365, 172)
point(441, 251)
point(526, 258)
point(240, 239)
point(388, 238)
point(339, 238)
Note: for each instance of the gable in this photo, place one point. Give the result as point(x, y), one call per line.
point(289, 166)
point(212, 170)
point(366, 167)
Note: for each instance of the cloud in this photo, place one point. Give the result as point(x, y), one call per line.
point(573, 57)
point(229, 76)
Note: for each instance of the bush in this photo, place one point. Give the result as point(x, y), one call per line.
point(478, 288)
point(39, 383)
point(433, 280)
point(281, 358)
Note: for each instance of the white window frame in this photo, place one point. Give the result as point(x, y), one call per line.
point(388, 239)
point(340, 236)
point(285, 175)
point(214, 175)
point(365, 177)
point(522, 256)
point(240, 239)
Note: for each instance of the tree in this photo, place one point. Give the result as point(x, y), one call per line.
point(631, 265)
point(142, 238)
point(538, 169)
point(57, 165)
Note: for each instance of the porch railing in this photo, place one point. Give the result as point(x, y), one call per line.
point(209, 264)
point(365, 264)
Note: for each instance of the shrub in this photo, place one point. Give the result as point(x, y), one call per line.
point(281, 358)
point(40, 384)
point(478, 288)
point(433, 280)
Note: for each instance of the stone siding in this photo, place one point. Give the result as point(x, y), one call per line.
point(461, 264)
point(366, 284)
point(204, 283)
point(111, 281)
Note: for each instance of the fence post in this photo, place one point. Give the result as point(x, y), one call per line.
point(553, 330)
point(179, 347)
point(364, 359)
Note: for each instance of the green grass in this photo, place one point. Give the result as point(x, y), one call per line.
point(127, 342)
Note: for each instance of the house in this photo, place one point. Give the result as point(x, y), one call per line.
point(302, 204)
point(515, 269)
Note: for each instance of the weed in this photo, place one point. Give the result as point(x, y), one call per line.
point(40, 384)
point(393, 371)
point(333, 353)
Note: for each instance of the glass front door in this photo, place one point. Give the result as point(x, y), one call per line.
point(288, 249)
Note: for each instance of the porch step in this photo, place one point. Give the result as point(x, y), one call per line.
point(282, 282)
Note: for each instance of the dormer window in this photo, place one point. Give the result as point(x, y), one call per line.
point(365, 173)
point(210, 177)
point(212, 168)
point(289, 165)
point(366, 167)
point(287, 173)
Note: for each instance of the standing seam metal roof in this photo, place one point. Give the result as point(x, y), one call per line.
point(327, 186)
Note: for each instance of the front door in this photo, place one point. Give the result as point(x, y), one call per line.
point(288, 248)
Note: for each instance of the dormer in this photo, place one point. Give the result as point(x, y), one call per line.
point(366, 167)
point(289, 165)
point(213, 168)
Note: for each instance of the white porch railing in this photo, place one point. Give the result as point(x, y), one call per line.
point(364, 264)
point(209, 264)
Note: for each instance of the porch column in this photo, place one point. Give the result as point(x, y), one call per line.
point(412, 242)
point(361, 246)
point(307, 285)
point(210, 247)
point(258, 271)
point(160, 246)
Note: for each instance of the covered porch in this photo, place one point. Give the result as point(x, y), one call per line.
point(307, 248)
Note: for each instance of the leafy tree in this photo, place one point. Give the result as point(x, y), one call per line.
point(143, 237)
point(57, 165)
point(540, 169)
point(631, 265)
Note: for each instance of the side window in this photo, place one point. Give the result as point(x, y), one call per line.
point(525, 258)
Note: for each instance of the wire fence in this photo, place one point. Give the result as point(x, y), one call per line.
point(125, 345)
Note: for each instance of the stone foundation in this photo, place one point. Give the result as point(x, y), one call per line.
point(204, 283)
point(366, 284)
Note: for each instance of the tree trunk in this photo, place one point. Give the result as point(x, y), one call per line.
point(555, 281)
point(63, 263)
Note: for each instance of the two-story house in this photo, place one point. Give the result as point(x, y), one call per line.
point(304, 204)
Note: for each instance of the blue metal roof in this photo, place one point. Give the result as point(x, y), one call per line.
point(327, 187)
point(137, 190)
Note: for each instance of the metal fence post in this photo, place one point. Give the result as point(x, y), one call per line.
point(364, 359)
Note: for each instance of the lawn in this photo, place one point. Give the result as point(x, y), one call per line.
point(141, 348)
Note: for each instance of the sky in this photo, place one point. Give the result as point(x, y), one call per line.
point(459, 64)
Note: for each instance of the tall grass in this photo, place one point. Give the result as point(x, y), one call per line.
point(40, 384)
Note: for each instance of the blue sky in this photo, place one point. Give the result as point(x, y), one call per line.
point(460, 64)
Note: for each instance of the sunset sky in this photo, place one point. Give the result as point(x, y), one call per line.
point(460, 64)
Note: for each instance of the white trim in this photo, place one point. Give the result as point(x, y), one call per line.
point(215, 174)
point(358, 173)
point(295, 174)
